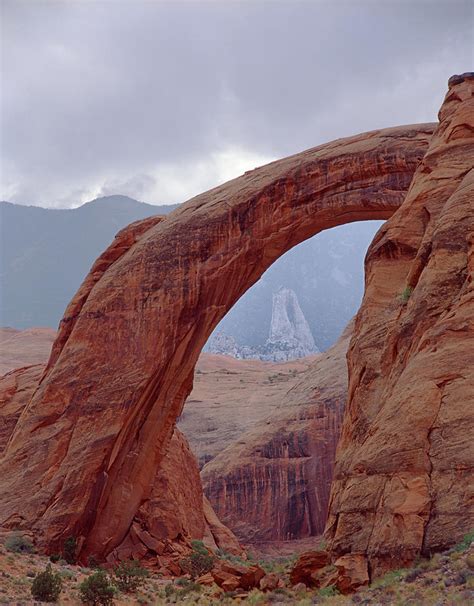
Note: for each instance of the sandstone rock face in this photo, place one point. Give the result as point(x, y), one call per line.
point(16, 389)
point(290, 336)
point(273, 482)
point(176, 511)
point(403, 478)
point(308, 562)
point(174, 514)
point(96, 429)
point(234, 576)
point(230, 397)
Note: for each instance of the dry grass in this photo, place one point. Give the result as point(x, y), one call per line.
point(445, 580)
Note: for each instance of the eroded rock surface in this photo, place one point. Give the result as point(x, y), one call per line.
point(273, 482)
point(403, 478)
point(97, 428)
point(230, 397)
point(175, 513)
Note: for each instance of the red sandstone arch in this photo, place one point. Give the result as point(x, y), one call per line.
point(82, 455)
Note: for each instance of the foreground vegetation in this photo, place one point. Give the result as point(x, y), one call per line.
point(447, 579)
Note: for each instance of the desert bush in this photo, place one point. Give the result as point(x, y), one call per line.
point(466, 542)
point(129, 576)
point(199, 561)
point(67, 575)
point(17, 543)
point(97, 590)
point(394, 576)
point(406, 294)
point(181, 589)
point(92, 562)
point(328, 592)
point(54, 558)
point(413, 575)
point(235, 559)
point(70, 549)
point(47, 586)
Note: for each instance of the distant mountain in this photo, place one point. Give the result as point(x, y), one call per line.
point(46, 253)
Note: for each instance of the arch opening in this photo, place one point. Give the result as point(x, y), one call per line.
point(267, 473)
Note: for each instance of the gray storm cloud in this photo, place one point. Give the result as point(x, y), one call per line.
point(161, 100)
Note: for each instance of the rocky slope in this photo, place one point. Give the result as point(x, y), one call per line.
point(403, 478)
point(97, 428)
point(290, 336)
point(273, 483)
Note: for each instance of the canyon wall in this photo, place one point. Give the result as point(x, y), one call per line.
point(82, 458)
point(273, 482)
point(403, 478)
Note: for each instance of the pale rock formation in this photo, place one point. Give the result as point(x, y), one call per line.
point(289, 338)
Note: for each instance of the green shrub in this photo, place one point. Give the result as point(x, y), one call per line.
point(199, 561)
point(70, 549)
point(328, 592)
point(406, 294)
point(234, 559)
point(54, 557)
point(68, 575)
point(47, 586)
point(17, 543)
point(394, 576)
point(97, 590)
point(466, 542)
point(129, 575)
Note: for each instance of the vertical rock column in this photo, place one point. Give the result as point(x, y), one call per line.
point(403, 482)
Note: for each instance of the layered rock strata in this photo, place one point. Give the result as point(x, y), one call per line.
point(403, 478)
point(97, 428)
point(273, 482)
point(230, 397)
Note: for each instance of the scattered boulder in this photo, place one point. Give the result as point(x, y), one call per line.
point(307, 564)
point(206, 579)
point(352, 572)
point(270, 582)
point(235, 576)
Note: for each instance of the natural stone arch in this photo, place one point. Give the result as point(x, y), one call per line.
point(82, 455)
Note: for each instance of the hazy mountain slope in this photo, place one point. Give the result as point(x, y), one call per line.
point(45, 253)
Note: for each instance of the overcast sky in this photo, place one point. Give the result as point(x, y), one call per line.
point(163, 100)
